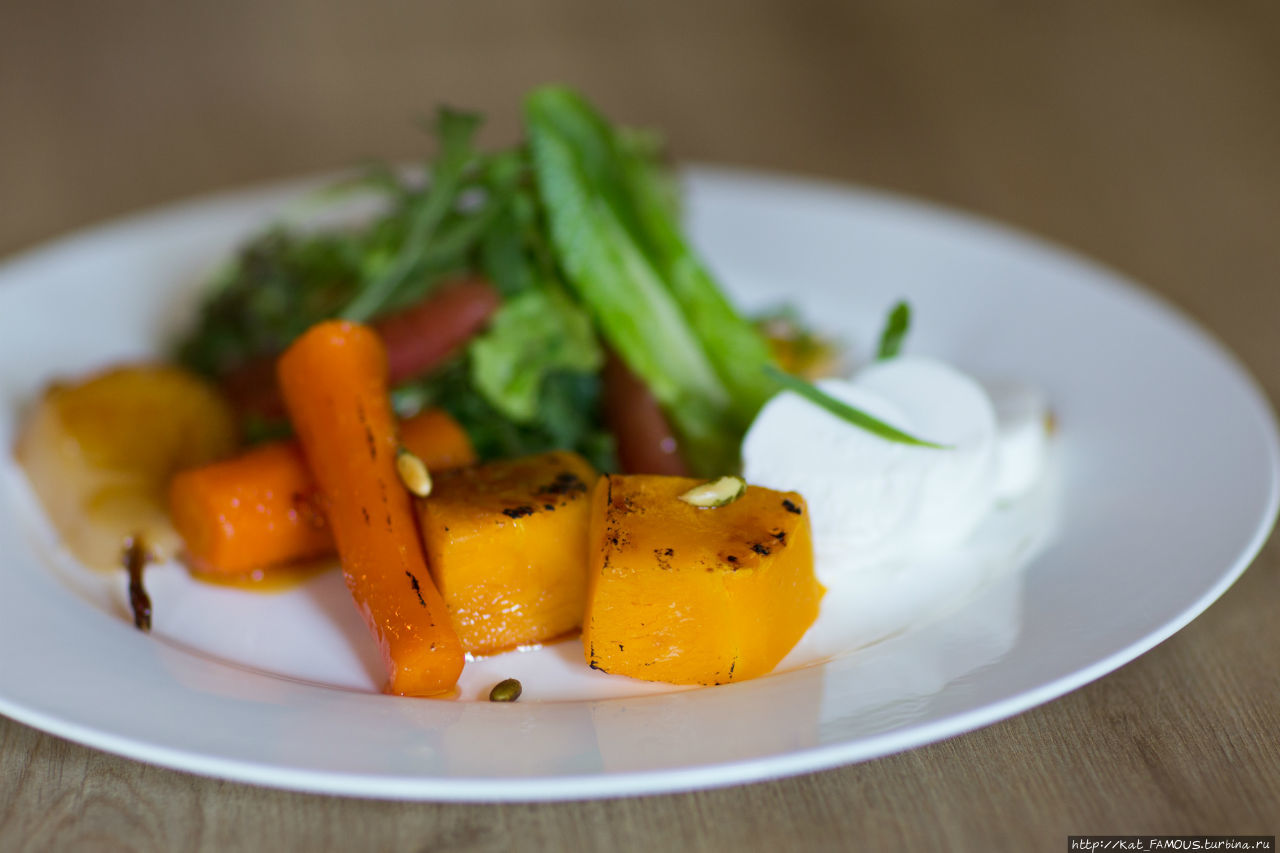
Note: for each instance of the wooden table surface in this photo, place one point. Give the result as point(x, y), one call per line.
point(1145, 134)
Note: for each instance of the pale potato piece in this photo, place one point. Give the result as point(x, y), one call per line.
point(100, 453)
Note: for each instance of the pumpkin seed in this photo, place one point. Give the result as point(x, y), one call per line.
point(716, 493)
point(413, 473)
point(507, 690)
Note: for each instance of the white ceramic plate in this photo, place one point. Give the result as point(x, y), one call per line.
point(1165, 488)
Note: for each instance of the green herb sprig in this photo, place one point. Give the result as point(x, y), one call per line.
point(844, 411)
point(895, 331)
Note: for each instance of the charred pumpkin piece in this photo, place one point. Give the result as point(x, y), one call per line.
point(696, 595)
point(99, 454)
point(507, 545)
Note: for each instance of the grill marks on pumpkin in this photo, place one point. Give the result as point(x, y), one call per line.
point(594, 662)
point(760, 546)
point(614, 534)
point(608, 484)
point(563, 488)
point(565, 483)
point(753, 543)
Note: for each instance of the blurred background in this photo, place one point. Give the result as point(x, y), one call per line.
point(1143, 133)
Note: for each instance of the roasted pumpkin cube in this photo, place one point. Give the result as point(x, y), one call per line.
point(696, 595)
point(100, 452)
point(507, 546)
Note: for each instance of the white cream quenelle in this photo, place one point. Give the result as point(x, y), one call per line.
point(873, 500)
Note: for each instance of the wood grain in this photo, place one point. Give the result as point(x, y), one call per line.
point(1141, 133)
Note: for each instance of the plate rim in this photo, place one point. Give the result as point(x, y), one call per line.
point(812, 758)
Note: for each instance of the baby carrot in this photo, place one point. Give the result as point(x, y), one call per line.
point(253, 511)
point(259, 510)
point(334, 382)
point(437, 439)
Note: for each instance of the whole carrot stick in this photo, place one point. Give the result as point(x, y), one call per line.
point(334, 381)
point(259, 510)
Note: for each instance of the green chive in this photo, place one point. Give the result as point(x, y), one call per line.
point(895, 330)
point(844, 411)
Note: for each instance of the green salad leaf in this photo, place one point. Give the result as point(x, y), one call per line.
point(285, 281)
point(567, 417)
point(274, 290)
point(578, 229)
point(652, 300)
point(895, 331)
point(533, 334)
point(428, 211)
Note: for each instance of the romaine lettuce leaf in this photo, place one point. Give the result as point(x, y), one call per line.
point(533, 334)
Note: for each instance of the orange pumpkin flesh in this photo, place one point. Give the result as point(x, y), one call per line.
point(691, 595)
point(507, 546)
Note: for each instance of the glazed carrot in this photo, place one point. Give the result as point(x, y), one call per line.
point(334, 382)
point(437, 439)
point(259, 510)
point(254, 511)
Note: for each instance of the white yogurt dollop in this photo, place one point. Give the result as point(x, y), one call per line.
point(872, 500)
point(1022, 420)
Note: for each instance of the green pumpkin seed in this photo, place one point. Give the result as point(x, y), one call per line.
point(507, 690)
point(716, 493)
